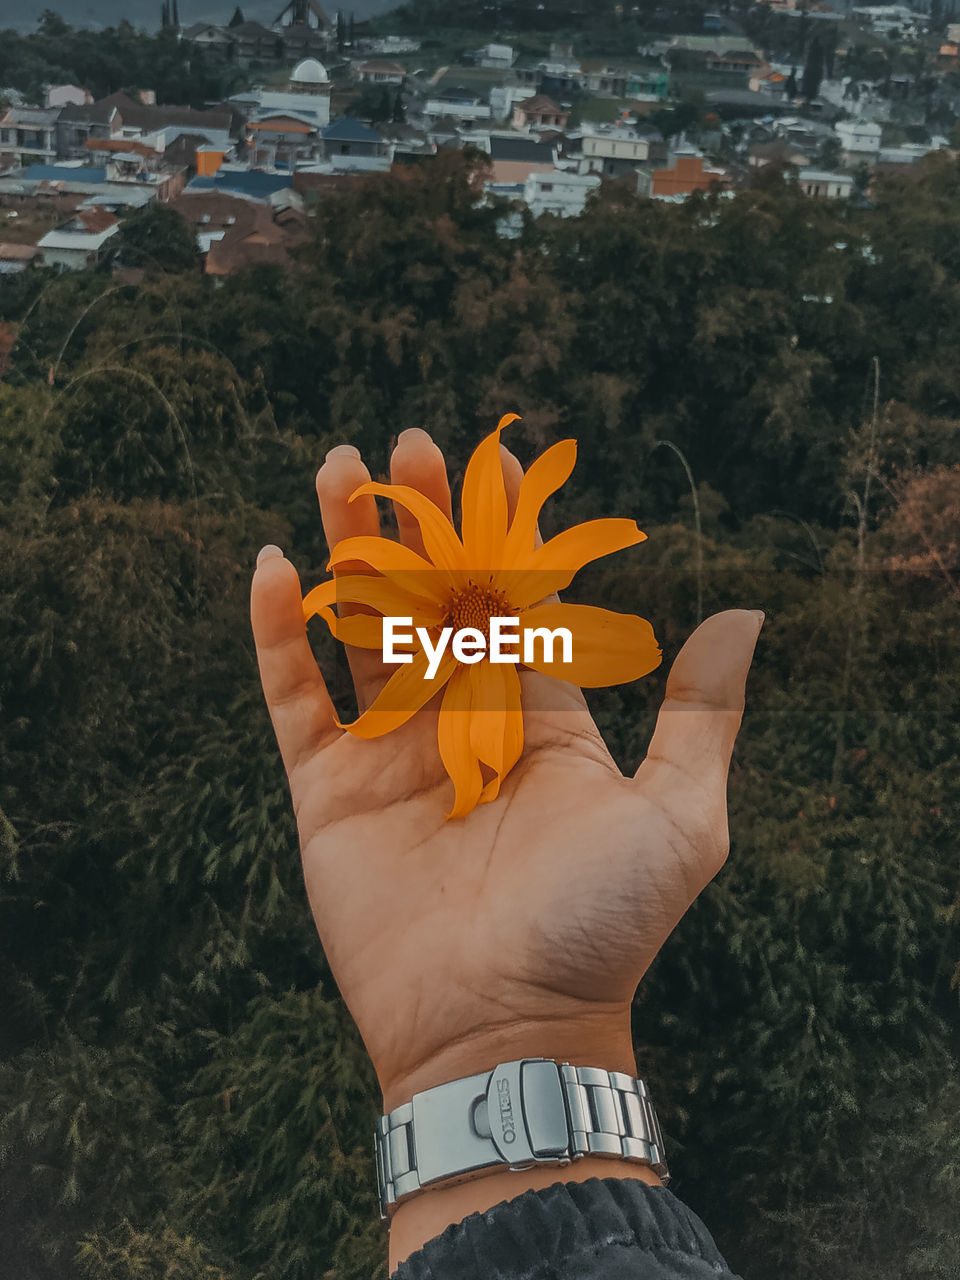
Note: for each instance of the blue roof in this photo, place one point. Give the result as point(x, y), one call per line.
point(65, 173)
point(346, 129)
point(248, 182)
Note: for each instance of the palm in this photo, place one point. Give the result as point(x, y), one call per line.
point(546, 906)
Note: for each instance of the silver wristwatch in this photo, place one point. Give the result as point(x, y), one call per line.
point(532, 1111)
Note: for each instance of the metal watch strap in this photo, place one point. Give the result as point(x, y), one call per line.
point(532, 1111)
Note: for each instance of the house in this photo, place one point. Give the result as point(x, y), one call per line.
point(820, 182)
point(696, 52)
point(63, 188)
point(15, 258)
point(119, 116)
point(124, 160)
point(282, 141)
point(249, 184)
point(686, 175)
point(560, 73)
point(233, 232)
point(77, 122)
point(349, 137)
point(378, 71)
point(256, 46)
point(540, 110)
point(311, 101)
point(557, 192)
point(615, 150)
point(504, 97)
point(456, 105)
point(761, 155)
point(61, 95)
point(859, 140)
point(28, 132)
point(608, 83)
point(736, 62)
point(766, 80)
point(501, 56)
point(514, 159)
point(80, 242)
point(216, 43)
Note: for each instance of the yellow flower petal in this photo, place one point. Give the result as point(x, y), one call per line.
point(361, 630)
point(394, 561)
point(608, 648)
point(404, 694)
point(483, 502)
point(453, 738)
point(439, 536)
point(554, 565)
point(496, 721)
point(388, 598)
point(544, 477)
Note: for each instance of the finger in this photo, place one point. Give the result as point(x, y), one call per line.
point(296, 696)
point(700, 716)
point(418, 462)
point(341, 474)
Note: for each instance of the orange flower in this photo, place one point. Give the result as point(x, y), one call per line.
point(493, 570)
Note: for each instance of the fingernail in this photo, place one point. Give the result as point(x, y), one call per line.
point(414, 433)
point(343, 451)
point(268, 552)
point(760, 616)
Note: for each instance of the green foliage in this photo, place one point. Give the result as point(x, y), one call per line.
point(177, 1086)
point(109, 60)
point(158, 238)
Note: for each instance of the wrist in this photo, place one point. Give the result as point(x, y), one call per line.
point(427, 1214)
point(599, 1039)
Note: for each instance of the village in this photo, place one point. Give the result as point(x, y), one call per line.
point(331, 105)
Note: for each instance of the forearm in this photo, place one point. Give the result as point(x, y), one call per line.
point(430, 1212)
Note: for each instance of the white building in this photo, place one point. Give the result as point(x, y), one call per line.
point(560, 193)
point(381, 72)
point(72, 250)
point(860, 140)
point(887, 18)
point(820, 182)
point(614, 149)
point(502, 56)
point(438, 108)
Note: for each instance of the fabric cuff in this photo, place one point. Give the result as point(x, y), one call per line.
point(540, 1232)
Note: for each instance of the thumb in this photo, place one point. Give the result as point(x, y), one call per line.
point(700, 716)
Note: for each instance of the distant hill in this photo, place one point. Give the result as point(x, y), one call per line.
point(146, 13)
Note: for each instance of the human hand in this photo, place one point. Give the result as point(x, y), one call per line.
point(524, 928)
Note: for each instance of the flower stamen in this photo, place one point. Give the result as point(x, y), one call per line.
point(474, 606)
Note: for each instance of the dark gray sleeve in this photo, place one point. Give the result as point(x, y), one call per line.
point(601, 1229)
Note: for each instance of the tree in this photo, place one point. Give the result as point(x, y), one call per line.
point(790, 84)
point(399, 113)
point(237, 18)
point(813, 69)
point(341, 30)
point(830, 152)
point(156, 238)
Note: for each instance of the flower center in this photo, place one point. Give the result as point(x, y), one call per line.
point(474, 606)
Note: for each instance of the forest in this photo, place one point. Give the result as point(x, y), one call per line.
point(769, 385)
